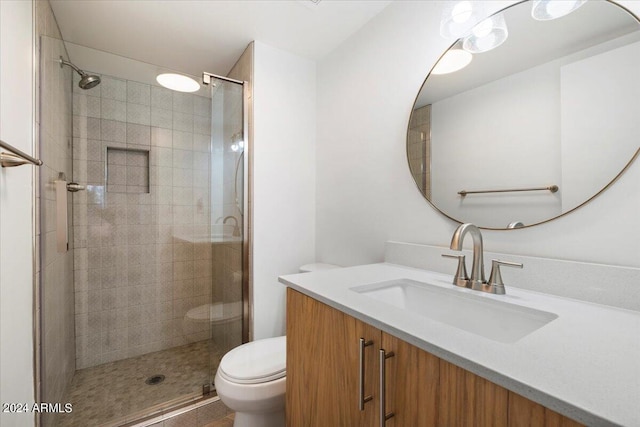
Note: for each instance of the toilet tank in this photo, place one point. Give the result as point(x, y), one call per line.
point(308, 268)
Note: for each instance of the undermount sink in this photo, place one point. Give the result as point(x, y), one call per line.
point(496, 320)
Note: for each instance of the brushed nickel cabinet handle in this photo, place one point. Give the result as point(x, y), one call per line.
point(384, 415)
point(362, 399)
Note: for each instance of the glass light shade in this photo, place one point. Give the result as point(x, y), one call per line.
point(452, 61)
point(546, 10)
point(237, 143)
point(458, 17)
point(178, 82)
point(487, 35)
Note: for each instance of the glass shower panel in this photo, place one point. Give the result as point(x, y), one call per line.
point(156, 237)
point(140, 272)
point(227, 201)
point(57, 304)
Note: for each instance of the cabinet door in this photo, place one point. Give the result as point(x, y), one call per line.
point(412, 377)
point(469, 400)
point(323, 359)
point(525, 413)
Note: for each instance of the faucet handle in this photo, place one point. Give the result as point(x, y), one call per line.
point(496, 285)
point(461, 278)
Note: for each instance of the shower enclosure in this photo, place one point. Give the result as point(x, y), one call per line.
point(142, 236)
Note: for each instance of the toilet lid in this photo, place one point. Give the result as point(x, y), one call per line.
point(318, 266)
point(255, 362)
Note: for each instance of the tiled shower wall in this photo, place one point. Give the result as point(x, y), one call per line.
point(137, 268)
point(419, 148)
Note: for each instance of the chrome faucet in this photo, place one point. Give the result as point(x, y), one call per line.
point(477, 280)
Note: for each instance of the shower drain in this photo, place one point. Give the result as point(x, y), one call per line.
point(155, 379)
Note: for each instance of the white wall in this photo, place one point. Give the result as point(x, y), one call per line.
point(16, 211)
point(524, 148)
point(365, 192)
point(283, 178)
point(600, 112)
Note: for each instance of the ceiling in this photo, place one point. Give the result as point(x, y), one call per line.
point(210, 35)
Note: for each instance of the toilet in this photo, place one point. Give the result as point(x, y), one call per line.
point(251, 379)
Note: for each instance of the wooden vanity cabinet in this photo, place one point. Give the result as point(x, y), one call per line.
point(323, 365)
point(525, 413)
point(465, 399)
point(411, 384)
point(323, 379)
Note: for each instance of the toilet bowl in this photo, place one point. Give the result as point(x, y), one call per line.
point(215, 313)
point(211, 320)
point(251, 380)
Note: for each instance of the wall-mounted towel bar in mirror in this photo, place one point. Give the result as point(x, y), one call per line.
point(551, 188)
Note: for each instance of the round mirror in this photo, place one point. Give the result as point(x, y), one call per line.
point(536, 124)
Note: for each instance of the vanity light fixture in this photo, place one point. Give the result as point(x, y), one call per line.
point(458, 18)
point(453, 60)
point(546, 10)
point(487, 35)
point(178, 82)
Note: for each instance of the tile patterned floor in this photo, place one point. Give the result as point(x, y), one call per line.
point(110, 394)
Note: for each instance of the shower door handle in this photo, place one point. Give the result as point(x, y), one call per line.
point(62, 212)
point(62, 223)
point(74, 187)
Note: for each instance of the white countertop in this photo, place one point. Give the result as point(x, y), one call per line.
point(585, 364)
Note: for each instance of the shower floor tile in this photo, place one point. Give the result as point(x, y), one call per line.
point(112, 393)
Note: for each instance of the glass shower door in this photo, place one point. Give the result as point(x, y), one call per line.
point(227, 215)
point(142, 236)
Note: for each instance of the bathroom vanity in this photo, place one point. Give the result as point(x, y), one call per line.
point(357, 357)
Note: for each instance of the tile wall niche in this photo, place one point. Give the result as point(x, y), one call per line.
point(137, 271)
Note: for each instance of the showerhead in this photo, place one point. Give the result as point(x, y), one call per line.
point(87, 81)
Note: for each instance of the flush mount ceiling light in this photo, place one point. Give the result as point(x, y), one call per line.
point(458, 17)
point(178, 82)
point(487, 35)
point(546, 10)
point(453, 60)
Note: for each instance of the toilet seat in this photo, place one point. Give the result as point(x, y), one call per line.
point(256, 362)
point(216, 313)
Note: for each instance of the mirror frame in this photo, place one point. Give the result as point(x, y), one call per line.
point(599, 192)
